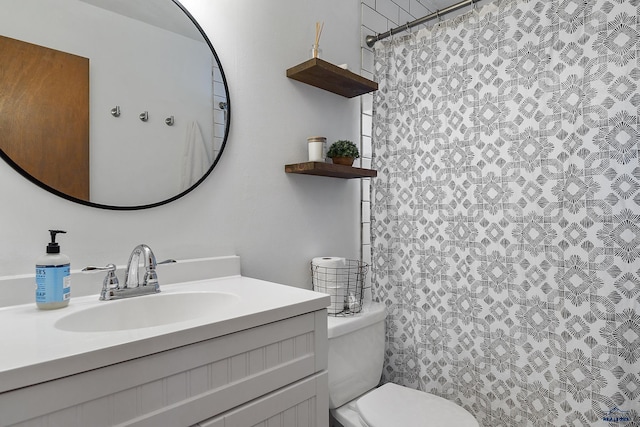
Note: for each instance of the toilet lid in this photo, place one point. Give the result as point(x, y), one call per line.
point(394, 405)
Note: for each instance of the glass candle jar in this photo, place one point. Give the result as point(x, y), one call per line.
point(316, 148)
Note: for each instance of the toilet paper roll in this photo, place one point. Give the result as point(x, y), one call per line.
point(353, 304)
point(328, 270)
point(329, 278)
point(337, 294)
point(329, 261)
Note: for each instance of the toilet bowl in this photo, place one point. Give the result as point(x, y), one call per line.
point(356, 355)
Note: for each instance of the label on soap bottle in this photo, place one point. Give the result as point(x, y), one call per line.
point(53, 283)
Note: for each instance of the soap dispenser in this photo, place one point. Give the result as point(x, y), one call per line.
point(53, 280)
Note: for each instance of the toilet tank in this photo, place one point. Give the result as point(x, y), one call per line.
point(356, 353)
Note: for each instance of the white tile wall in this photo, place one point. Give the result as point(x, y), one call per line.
point(388, 9)
point(418, 10)
point(373, 21)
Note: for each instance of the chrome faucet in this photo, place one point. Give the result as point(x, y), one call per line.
point(150, 275)
point(132, 287)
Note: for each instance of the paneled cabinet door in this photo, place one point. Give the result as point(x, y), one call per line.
point(303, 404)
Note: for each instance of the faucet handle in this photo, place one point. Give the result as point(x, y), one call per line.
point(110, 281)
point(151, 277)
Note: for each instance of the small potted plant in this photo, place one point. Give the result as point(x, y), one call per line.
point(343, 152)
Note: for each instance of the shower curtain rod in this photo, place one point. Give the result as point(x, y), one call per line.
point(435, 15)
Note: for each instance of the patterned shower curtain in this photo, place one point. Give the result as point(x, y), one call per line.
point(506, 212)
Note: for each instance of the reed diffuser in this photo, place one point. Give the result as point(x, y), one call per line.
point(315, 49)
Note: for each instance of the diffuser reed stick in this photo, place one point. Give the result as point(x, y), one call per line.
point(316, 46)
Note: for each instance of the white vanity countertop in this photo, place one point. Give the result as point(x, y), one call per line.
point(34, 351)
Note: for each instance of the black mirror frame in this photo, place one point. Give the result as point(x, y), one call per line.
point(171, 199)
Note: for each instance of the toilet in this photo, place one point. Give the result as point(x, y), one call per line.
point(356, 355)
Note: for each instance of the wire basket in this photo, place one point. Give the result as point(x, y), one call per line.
point(345, 285)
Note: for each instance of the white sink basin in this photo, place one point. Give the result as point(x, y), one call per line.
point(147, 311)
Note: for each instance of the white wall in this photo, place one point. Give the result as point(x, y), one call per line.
point(248, 206)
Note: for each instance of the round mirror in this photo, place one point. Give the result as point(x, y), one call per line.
point(116, 104)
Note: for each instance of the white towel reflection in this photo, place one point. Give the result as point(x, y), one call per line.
point(195, 157)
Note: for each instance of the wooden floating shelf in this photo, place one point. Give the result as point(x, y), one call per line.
point(330, 170)
point(324, 75)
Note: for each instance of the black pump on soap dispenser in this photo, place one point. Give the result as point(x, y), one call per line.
point(53, 280)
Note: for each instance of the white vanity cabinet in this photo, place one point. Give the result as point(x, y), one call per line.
point(269, 375)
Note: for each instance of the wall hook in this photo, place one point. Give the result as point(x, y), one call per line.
point(144, 116)
point(115, 111)
point(224, 107)
point(169, 121)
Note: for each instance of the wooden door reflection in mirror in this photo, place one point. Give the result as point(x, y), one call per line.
point(44, 114)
